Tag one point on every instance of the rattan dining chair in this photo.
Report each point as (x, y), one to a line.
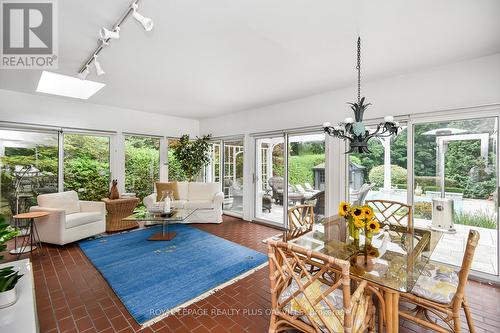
(441, 291)
(300, 220)
(392, 213)
(306, 301)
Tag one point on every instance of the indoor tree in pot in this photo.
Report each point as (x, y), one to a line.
(192, 155)
(8, 275)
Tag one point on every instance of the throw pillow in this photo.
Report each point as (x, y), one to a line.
(170, 186)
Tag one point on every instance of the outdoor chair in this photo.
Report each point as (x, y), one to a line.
(361, 194)
(318, 201)
(309, 300)
(277, 184)
(441, 291)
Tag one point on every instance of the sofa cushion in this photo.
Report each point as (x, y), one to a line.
(64, 200)
(170, 186)
(197, 204)
(203, 191)
(183, 188)
(77, 219)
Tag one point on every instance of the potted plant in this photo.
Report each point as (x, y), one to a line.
(8, 276)
(192, 155)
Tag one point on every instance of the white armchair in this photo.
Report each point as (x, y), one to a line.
(70, 219)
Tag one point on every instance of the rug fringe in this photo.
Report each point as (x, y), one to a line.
(202, 296)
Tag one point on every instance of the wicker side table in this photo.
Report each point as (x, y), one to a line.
(117, 210)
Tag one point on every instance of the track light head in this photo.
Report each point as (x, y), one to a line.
(107, 34)
(146, 22)
(98, 67)
(83, 75)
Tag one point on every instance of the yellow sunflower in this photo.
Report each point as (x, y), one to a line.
(357, 212)
(368, 212)
(344, 208)
(359, 223)
(373, 226)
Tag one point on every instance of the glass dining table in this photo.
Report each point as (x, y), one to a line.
(392, 263)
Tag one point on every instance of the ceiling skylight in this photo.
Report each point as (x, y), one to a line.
(69, 86)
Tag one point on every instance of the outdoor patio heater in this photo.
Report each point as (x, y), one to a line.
(442, 207)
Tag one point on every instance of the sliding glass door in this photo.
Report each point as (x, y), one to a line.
(456, 187)
(270, 179)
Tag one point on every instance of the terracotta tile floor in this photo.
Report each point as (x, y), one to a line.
(73, 297)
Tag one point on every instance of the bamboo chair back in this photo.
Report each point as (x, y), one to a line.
(392, 213)
(300, 221)
(289, 263)
(463, 275)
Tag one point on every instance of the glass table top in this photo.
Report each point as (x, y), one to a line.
(177, 216)
(395, 259)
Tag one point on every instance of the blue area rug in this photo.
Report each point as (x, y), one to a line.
(153, 277)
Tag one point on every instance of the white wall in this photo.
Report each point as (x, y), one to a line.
(468, 83)
(62, 112)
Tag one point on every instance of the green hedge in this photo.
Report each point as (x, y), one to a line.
(376, 175)
(446, 189)
(300, 170)
(424, 181)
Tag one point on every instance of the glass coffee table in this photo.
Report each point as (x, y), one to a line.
(177, 215)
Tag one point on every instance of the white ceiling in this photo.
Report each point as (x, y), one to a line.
(205, 58)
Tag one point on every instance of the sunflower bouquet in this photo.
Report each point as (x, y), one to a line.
(359, 218)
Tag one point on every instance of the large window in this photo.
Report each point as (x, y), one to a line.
(86, 165)
(175, 172)
(381, 174)
(28, 167)
(306, 171)
(142, 164)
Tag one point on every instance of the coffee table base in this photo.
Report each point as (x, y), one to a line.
(163, 237)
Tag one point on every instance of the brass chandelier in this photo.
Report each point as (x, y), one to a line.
(354, 130)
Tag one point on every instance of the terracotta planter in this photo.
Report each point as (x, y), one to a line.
(8, 298)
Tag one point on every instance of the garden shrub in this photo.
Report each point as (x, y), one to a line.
(480, 219)
(480, 190)
(88, 177)
(376, 175)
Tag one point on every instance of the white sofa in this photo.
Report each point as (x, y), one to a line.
(205, 197)
(70, 219)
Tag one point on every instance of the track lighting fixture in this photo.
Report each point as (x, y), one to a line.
(98, 68)
(109, 34)
(83, 74)
(106, 36)
(146, 22)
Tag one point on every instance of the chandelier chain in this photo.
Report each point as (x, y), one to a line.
(358, 67)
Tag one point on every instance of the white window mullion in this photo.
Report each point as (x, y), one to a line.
(60, 166)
